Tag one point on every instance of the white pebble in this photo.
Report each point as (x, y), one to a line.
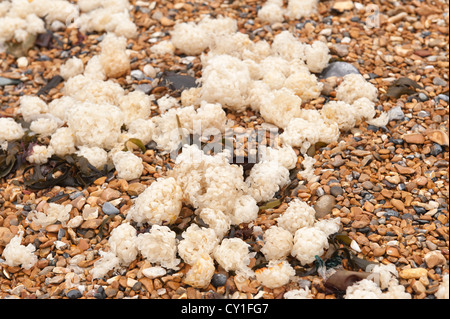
(22, 62)
(149, 71)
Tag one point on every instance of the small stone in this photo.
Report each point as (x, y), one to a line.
(166, 22)
(74, 294)
(5, 236)
(75, 222)
(91, 223)
(435, 149)
(338, 161)
(78, 202)
(418, 287)
(361, 223)
(439, 137)
(392, 251)
(90, 212)
(379, 251)
(134, 189)
(443, 97)
(396, 114)
(336, 191)
(111, 292)
(342, 6)
(434, 258)
(414, 138)
(150, 71)
(360, 153)
(438, 81)
(340, 49)
(137, 75)
(398, 204)
(367, 185)
(146, 88)
(22, 62)
(338, 69)
(404, 170)
(83, 244)
(218, 280)
(54, 228)
(109, 209)
(324, 205)
(154, 272)
(100, 294)
(410, 273)
(109, 194)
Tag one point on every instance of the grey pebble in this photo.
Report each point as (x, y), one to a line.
(396, 114)
(137, 74)
(146, 88)
(336, 191)
(110, 209)
(338, 69)
(218, 280)
(74, 294)
(423, 97)
(438, 81)
(443, 97)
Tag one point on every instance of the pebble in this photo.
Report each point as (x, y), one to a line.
(336, 191)
(413, 273)
(436, 149)
(423, 97)
(110, 209)
(434, 258)
(338, 69)
(340, 49)
(74, 294)
(218, 280)
(396, 114)
(146, 88)
(5, 236)
(137, 75)
(414, 138)
(443, 97)
(324, 205)
(22, 62)
(439, 81)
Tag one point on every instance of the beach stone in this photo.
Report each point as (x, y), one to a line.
(434, 258)
(324, 205)
(396, 114)
(91, 223)
(398, 204)
(137, 74)
(338, 69)
(414, 138)
(410, 273)
(218, 280)
(110, 194)
(110, 209)
(404, 170)
(74, 294)
(134, 189)
(336, 190)
(438, 137)
(5, 236)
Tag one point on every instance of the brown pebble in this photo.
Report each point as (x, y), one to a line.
(414, 138)
(410, 273)
(434, 258)
(91, 223)
(5, 236)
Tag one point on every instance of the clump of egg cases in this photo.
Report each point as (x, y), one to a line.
(269, 73)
